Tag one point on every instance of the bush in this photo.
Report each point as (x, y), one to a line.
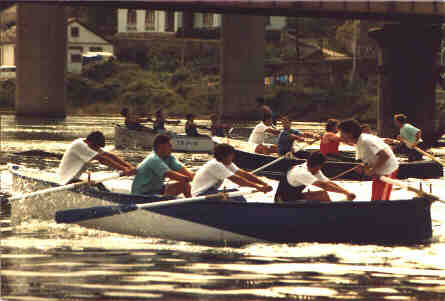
(208, 33)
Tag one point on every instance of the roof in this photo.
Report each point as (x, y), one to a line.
(75, 20)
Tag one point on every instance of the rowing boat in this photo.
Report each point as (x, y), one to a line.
(143, 139)
(244, 159)
(226, 222)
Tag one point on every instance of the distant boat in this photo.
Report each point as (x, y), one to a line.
(226, 222)
(143, 139)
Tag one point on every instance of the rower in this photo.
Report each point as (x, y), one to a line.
(210, 176)
(157, 166)
(217, 128)
(330, 142)
(375, 153)
(190, 126)
(295, 180)
(409, 134)
(265, 109)
(288, 136)
(159, 123)
(134, 122)
(82, 151)
(256, 139)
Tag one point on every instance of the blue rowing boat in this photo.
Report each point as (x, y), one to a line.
(226, 222)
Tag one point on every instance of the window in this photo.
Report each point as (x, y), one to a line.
(268, 20)
(74, 31)
(76, 58)
(96, 49)
(131, 19)
(150, 20)
(207, 19)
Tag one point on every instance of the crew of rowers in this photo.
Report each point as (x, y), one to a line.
(132, 122)
(150, 175)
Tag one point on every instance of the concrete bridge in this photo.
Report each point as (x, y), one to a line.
(407, 58)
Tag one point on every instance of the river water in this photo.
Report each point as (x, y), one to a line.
(42, 260)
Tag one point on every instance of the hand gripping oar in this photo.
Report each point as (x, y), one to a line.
(419, 192)
(78, 215)
(63, 187)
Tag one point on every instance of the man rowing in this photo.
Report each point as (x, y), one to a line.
(298, 177)
(256, 138)
(330, 142)
(211, 175)
(288, 136)
(218, 128)
(157, 166)
(134, 122)
(378, 157)
(82, 151)
(409, 136)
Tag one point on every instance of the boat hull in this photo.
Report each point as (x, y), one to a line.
(125, 138)
(250, 161)
(233, 223)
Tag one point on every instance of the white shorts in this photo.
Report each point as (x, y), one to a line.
(252, 147)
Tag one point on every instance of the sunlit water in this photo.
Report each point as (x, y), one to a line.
(42, 260)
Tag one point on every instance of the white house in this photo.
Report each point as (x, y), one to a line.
(81, 39)
(140, 20)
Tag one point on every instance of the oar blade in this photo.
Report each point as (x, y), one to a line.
(81, 214)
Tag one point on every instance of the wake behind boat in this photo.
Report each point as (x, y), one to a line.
(143, 139)
(226, 222)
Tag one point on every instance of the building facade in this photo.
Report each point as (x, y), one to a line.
(140, 20)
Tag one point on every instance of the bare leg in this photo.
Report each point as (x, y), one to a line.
(266, 150)
(177, 188)
(320, 195)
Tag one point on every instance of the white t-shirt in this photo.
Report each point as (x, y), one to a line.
(74, 160)
(300, 175)
(257, 135)
(211, 174)
(367, 148)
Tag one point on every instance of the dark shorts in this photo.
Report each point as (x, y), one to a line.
(287, 193)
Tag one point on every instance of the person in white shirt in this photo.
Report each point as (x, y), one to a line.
(378, 157)
(210, 176)
(81, 151)
(256, 138)
(298, 177)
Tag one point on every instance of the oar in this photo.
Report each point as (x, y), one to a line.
(287, 155)
(422, 152)
(306, 144)
(78, 215)
(419, 192)
(345, 172)
(63, 187)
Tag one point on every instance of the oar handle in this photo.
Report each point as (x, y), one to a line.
(409, 188)
(345, 172)
(269, 164)
(63, 187)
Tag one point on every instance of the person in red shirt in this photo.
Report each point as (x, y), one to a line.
(330, 142)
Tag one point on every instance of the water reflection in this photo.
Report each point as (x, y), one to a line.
(42, 260)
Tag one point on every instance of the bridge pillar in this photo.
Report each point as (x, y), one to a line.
(41, 55)
(242, 65)
(407, 79)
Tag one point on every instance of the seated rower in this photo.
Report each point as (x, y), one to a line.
(210, 176)
(330, 142)
(288, 136)
(157, 166)
(375, 153)
(159, 123)
(133, 122)
(295, 180)
(409, 136)
(191, 129)
(217, 128)
(82, 151)
(256, 139)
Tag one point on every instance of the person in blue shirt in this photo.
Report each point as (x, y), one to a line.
(409, 136)
(157, 166)
(288, 136)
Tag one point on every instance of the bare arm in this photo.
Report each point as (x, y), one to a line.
(250, 177)
(333, 187)
(187, 173)
(273, 131)
(115, 162)
(244, 182)
(174, 175)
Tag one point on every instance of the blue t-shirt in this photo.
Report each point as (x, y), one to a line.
(151, 172)
(284, 141)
